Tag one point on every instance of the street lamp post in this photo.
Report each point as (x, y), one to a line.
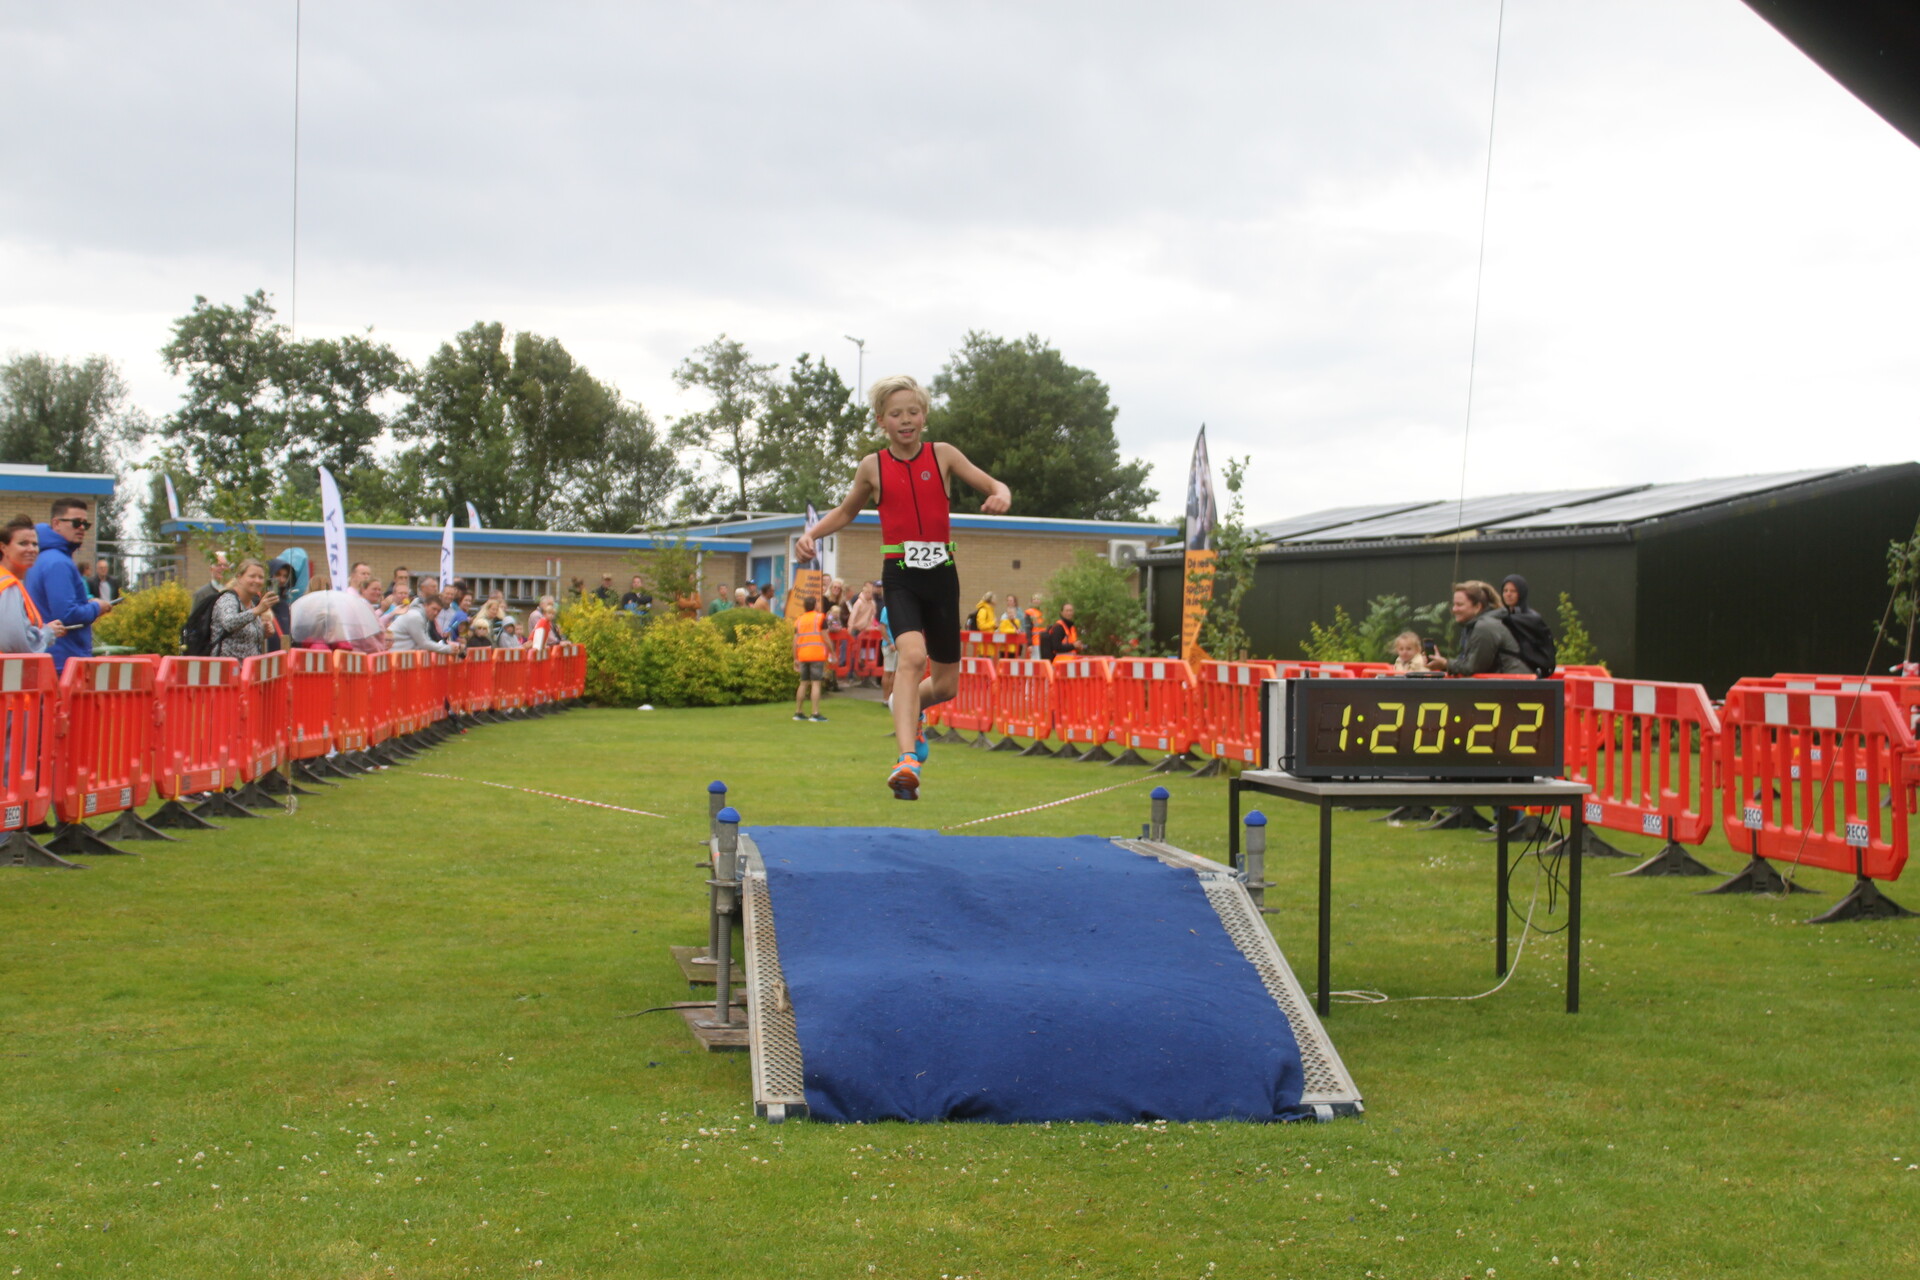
(860, 376)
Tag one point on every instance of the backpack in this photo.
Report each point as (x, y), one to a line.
(196, 638)
(1537, 647)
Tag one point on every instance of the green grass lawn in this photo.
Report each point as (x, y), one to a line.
(382, 1036)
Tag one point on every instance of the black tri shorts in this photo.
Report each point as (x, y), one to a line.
(927, 601)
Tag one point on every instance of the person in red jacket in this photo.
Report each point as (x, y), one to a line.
(908, 481)
(810, 655)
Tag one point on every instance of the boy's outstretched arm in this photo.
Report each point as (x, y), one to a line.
(861, 493)
(999, 497)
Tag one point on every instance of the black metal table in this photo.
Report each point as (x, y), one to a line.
(1502, 796)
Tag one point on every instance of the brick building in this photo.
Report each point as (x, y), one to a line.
(1001, 554)
(525, 563)
(31, 490)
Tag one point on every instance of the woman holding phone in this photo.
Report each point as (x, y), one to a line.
(243, 615)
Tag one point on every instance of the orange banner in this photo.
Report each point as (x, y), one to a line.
(1197, 597)
(806, 582)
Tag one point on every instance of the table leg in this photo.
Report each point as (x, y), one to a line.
(1326, 903)
(1500, 823)
(1233, 823)
(1575, 844)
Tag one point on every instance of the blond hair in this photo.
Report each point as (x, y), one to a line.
(1478, 592)
(879, 392)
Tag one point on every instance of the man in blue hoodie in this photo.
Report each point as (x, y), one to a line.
(58, 589)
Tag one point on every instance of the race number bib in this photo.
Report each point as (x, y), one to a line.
(923, 555)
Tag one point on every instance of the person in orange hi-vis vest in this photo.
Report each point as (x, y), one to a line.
(1061, 641)
(908, 481)
(21, 628)
(810, 655)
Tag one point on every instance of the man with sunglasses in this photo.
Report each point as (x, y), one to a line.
(58, 588)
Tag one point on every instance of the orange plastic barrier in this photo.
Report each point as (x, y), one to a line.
(997, 645)
(540, 669)
(196, 725)
(1083, 700)
(403, 690)
(379, 710)
(1152, 703)
(509, 679)
(28, 694)
(1803, 775)
(310, 722)
(1582, 670)
(1647, 748)
(868, 660)
(1904, 691)
(103, 736)
(352, 688)
(479, 666)
(1023, 698)
(1227, 698)
(972, 705)
(262, 740)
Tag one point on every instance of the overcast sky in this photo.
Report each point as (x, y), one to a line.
(1700, 253)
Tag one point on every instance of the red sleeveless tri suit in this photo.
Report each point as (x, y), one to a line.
(920, 579)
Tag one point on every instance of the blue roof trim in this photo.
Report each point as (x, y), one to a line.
(56, 482)
(470, 537)
(998, 524)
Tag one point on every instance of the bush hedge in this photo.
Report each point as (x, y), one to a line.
(147, 621)
(681, 662)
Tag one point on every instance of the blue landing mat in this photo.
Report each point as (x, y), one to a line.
(1017, 980)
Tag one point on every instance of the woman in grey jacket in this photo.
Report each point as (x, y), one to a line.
(240, 614)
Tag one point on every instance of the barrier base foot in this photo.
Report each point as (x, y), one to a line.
(275, 783)
(255, 796)
(1095, 754)
(1863, 902)
(1181, 763)
(1527, 828)
(77, 839)
(19, 849)
(1592, 847)
(1039, 748)
(131, 826)
(1758, 876)
(1126, 759)
(356, 762)
(222, 804)
(1007, 744)
(1212, 768)
(1407, 813)
(1458, 818)
(313, 772)
(175, 816)
(389, 755)
(981, 742)
(1672, 860)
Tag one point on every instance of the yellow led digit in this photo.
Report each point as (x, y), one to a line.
(1399, 710)
(1346, 718)
(1539, 710)
(1439, 731)
(1474, 745)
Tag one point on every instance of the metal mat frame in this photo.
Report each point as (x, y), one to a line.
(779, 1082)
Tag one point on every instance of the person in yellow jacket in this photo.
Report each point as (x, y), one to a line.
(810, 655)
(983, 614)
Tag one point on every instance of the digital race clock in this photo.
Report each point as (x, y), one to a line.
(1425, 728)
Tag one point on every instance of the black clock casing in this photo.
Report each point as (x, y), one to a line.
(1414, 728)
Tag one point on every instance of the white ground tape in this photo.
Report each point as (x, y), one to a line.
(1051, 804)
(551, 795)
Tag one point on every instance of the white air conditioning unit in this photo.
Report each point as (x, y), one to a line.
(1124, 553)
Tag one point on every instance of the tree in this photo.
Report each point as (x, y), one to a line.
(810, 440)
(1107, 610)
(1575, 646)
(1021, 412)
(1903, 575)
(262, 411)
(1371, 639)
(731, 427)
(528, 436)
(68, 417)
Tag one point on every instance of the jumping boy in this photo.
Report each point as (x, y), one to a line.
(907, 480)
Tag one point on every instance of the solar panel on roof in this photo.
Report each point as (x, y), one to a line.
(1451, 517)
(1667, 499)
(1313, 521)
